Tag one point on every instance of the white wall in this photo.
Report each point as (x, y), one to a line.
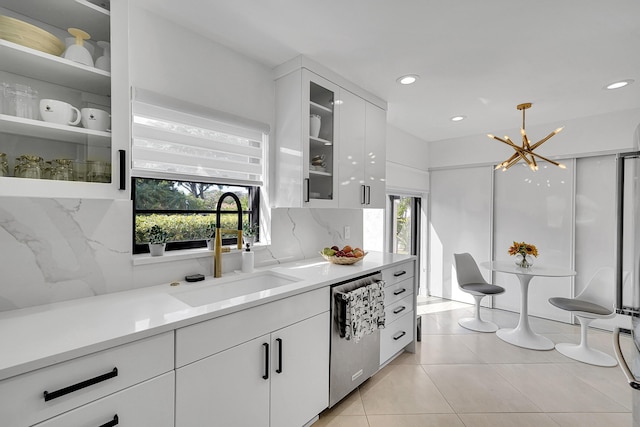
(177, 62)
(407, 161)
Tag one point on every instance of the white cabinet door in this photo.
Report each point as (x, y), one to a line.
(230, 388)
(147, 404)
(375, 156)
(302, 181)
(351, 151)
(300, 371)
(362, 155)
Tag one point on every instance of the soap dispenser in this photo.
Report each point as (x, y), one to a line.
(77, 52)
(247, 260)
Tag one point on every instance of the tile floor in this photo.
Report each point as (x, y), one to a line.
(463, 378)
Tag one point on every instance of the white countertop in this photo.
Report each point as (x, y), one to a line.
(36, 337)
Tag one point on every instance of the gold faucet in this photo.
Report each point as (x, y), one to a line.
(217, 253)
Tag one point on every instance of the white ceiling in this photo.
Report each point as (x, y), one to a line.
(478, 58)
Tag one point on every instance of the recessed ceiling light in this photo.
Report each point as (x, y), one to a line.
(408, 79)
(618, 85)
(458, 118)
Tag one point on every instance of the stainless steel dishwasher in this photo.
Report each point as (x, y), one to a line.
(351, 362)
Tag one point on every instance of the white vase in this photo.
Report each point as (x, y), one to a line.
(156, 249)
(314, 125)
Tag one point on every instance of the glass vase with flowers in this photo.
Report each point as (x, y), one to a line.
(524, 253)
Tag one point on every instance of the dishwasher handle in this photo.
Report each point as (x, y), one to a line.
(623, 363)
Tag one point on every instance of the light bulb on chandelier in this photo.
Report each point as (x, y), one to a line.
(525, 152)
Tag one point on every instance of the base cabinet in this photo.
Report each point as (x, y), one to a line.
(226, 389)
(300, 382)
(147, 404)
(279, 379)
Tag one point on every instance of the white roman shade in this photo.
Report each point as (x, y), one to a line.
(174, 139)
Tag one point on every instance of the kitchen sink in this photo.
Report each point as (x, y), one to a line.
(215, 290)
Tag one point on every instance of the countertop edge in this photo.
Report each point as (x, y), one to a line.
(339, 273)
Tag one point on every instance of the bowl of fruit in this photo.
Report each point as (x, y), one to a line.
(345, 256)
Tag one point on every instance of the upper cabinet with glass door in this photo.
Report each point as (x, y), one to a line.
(55, 88)
(307, 121)
(330, 140)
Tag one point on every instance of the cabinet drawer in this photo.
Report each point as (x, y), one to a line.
(398, 309)
(95, 375)
(147, 404)
(396, 336)
(398, 291)
(198, 341)
(395, 274)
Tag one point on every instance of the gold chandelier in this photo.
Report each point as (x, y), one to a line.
(525, 152)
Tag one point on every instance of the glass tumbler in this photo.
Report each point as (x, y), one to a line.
(4, 165)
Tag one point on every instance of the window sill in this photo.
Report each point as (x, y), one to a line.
(184, 254)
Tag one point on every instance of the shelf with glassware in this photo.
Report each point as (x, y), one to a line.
(44, 127)
(320, 154)
(306, 127)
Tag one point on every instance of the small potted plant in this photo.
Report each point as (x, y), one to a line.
(249, 232)
(157, 240)
(210, 234)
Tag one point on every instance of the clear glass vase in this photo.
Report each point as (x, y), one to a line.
(524, 261)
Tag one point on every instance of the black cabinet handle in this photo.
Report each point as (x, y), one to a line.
(399, 273)
(123, 169)
(368, 194)
(113, 422)
(266, 361)
(363, 195)
(58, 393)
(279, 341)
(307, 197)
(399, 291)
(400, 335)
(399, 310)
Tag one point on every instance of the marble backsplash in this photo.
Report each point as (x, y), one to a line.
(61, 249)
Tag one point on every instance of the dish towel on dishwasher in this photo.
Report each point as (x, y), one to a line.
(364, 311)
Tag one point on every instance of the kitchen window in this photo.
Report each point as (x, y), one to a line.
(184, 157)
(186, 210)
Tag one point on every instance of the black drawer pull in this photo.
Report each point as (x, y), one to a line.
(58, 393)
(399, 273)
(399, 310)
(400, 291)
(400, 335)
(113, 422)
(279, 341)
(266, 361)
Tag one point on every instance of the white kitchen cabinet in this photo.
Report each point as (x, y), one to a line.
(45, 393)
(400, 308)
(228, 387)
(150, 403)
(55, 77)
(375, 156)
(344, 166)
(273, 359)
(300, 371)
(361, 153)
(302, 181)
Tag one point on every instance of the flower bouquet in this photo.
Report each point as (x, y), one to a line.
(523, 252)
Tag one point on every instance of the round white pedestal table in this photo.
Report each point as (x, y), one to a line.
(522, 335)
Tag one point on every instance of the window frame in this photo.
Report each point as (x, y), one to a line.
(253, 213)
